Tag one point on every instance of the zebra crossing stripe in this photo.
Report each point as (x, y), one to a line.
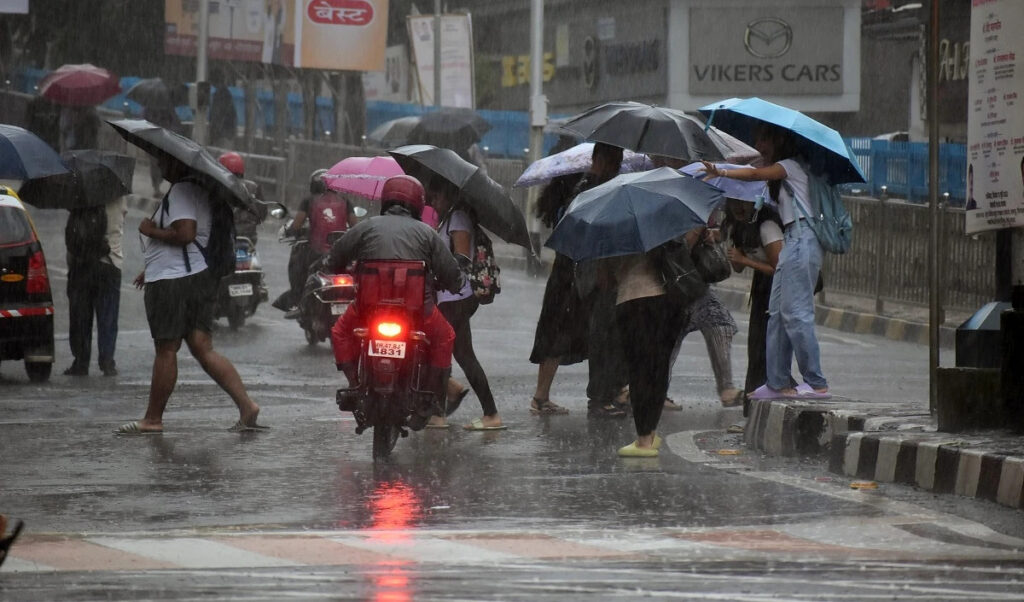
(192, 552)
(82, 555)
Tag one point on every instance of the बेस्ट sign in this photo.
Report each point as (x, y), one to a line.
(319, 34)
(995, 121)
(765, 50)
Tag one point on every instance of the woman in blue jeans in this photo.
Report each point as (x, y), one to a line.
(791, 305)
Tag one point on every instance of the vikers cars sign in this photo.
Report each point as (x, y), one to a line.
(764, 50)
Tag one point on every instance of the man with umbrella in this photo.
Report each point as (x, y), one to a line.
(180, 286)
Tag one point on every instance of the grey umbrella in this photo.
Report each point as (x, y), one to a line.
(165, 144)
(494, 208)
(96, 177)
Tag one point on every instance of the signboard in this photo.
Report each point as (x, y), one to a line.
(804, 55)
(995, 121)
(321, 34)
(19, 7)
(391, 84)
(456, 59)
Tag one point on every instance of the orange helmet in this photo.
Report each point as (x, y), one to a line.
(233, 162)
(405, 191)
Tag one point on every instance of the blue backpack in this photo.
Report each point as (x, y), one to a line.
(831, 222)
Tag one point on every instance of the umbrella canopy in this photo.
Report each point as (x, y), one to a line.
(824, 148)
(633, 213)
(155, 93)
(494, 208)
(733, 189)
(79, 85)
(165, 144)
(732, 149)
(24, 156)
(363, 176)
(393, 133)
(645, 129)
(458, 127)
(96, 177)
(577, 159)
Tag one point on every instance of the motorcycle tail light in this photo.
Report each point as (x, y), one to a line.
(242, 264)
(342, 280)
(389, 329)
(38, 281)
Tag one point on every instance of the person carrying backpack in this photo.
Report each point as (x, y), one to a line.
(186, 248)
(791, 328)
(460, 232)
(92, 238)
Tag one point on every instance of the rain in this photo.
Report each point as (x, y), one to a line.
(547, 299)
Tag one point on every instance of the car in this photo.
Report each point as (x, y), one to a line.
(26, 303)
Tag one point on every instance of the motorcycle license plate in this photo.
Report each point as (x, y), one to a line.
(239, 290)
(337, 309)
(394, 349)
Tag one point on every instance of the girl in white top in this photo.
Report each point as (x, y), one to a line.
(791, 306)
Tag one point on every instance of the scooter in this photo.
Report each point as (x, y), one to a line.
(392, 393)
(241, 293)
(325, 297)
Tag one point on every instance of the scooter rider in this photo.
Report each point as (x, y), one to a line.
(399, 234)
(246, 223)
(327, 212)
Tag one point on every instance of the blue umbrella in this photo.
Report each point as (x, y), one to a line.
(633, 213)
(24, 156)
(823, 147)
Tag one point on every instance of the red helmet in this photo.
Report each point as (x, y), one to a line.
(233, 162)
(405, 191)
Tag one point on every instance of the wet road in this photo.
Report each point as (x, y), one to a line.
(544, 510)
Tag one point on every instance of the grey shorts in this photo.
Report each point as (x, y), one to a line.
(176, 307)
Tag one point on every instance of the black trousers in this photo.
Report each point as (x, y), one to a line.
(607, 366)
(757, 333)
(93, 290)
(648, 327)
(458, 314)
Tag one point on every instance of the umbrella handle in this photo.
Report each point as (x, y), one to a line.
(711, 118)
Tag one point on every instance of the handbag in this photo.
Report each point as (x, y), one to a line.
(711, 262)
(683, 282)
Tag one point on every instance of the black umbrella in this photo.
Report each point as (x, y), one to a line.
(394, 132)
(96, 178)
(494, 208)
(155, 92)
(166, 145)
(646, 129)
(24, 156)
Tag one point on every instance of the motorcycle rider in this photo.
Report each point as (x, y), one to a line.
(399, 234)
(324, 208)
(246, 223)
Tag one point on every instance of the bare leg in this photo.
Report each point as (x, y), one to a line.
(223, 372)
(165, 376)
(545, 376)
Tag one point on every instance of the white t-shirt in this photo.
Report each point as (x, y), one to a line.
(770, 232)
(796, 178)
(458, 221)
(165, 261)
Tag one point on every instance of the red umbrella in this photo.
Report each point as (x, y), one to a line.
(79, 85)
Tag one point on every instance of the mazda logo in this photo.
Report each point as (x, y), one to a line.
(768, 38)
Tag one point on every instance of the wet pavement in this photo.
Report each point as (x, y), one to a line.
(544, 510)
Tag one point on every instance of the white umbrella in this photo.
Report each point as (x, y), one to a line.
(576, 160)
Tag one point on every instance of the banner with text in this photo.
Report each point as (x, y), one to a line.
(321, 34)
(456, 59)
(995, 121)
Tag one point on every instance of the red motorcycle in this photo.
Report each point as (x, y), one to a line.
(392, 390)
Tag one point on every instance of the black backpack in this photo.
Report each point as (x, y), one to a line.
(85, 235)
(219, 251)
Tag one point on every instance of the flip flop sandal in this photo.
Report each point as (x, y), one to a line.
(608, 410)
(453, 405)
(735, 402)
(632, 451)
(546, 407)
(672, 406)
(238, 427)
(134, 428)
(478, 425)
(806, 391)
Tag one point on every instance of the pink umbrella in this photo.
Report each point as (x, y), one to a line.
(363, 176)
(79, 85)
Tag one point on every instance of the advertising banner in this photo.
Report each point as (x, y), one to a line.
(321, 34)
(15, 7)
(995, 121)
(391, 84)
(456, 59)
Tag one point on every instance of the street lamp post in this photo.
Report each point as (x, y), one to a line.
(538, 118)
(933, 206)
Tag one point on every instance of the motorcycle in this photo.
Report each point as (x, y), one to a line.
(325, 297)
(241, 293)
(392, 370)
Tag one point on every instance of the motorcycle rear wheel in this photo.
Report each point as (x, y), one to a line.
(236, 317)
(384, 438)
